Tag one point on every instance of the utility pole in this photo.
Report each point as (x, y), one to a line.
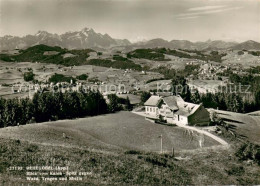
(161, 143)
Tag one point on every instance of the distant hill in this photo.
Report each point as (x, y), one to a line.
(86, 38)
(49, 54)
(185, 44)
(248, 45)
(57, 55)
(153, 43)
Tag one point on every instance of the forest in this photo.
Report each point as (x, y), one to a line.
(49, 106)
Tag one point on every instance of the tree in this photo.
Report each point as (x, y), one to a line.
(27, 110)
(128, 105)
(145, 96)
(48, 106)
(257, 99)
(2, 108)
(195, 97)
(113, 105)
(180, 87)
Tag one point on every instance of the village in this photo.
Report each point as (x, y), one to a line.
(129, 92)
(176, 108)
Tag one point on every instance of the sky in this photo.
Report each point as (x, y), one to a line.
(136, 20)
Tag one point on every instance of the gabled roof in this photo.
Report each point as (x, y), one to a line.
(171, 101)
(187, 109)
(153, 101)
(177, 104)
(174, 102)
(191, 107)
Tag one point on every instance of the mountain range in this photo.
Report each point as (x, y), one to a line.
(88, 38)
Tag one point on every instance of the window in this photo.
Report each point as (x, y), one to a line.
(153, 109)
(150, 109)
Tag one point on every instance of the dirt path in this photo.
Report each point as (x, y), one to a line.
(218, 139)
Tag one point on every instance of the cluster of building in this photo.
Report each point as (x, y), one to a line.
(103, 88)
(174, 110)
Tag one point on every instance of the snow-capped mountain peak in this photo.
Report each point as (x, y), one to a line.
(85, 38)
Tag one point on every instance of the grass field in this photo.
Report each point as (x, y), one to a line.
(245, 60)
(245, 125)
(116, 149)
(202, 167)
(120, 131)
(11, 73)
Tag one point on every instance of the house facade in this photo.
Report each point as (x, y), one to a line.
(175, 110)
(152, 107)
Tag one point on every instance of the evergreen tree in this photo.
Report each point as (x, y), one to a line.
(113, 105)
(128, 105)
(145, 96)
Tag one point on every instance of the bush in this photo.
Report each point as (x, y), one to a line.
(32, 148)
(156, 160)
(82, 77)
(61, 78)
(240, 52)
(236, 170)
(28, 76)
(249, 151)
(133, 152)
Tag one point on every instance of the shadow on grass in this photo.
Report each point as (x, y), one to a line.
(233, 121)
(219, 113)
(166, 124)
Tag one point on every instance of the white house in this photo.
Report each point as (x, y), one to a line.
(152, 106)
(175, 110)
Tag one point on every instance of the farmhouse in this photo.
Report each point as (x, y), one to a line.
(175, 110)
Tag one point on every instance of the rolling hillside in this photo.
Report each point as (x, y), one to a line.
(120, 131)
(246, 126)
(247, 45)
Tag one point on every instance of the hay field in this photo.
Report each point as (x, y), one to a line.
(123, 130)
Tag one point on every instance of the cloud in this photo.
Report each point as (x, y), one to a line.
(206, 8)
(190, 17)
(196, 12)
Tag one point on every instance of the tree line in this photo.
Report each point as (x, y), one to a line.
(227, 101)
(49, 106)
